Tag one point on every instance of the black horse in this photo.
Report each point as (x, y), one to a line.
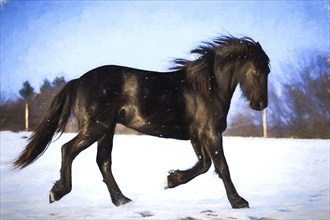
(189, 103)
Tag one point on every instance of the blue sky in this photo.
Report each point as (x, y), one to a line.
(45, 39)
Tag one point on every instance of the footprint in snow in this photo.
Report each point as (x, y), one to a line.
(146, 214)
(209, 213)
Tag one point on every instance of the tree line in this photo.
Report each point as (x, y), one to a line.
(298, 107)
(25, 112)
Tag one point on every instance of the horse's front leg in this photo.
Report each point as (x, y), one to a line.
(215, 151)
(178, 177)
(104, 162)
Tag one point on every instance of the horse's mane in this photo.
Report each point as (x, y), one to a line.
(227, 49)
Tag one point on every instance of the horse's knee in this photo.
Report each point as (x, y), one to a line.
(206, 164)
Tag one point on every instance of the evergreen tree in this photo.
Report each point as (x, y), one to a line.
(46, 87)
(58, 82)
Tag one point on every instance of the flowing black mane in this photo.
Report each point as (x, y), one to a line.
(225, 49)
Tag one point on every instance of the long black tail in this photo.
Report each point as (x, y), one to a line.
(54, 120)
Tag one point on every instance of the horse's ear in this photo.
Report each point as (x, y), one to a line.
(258, 44)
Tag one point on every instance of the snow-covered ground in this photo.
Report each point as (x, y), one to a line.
(281, 179)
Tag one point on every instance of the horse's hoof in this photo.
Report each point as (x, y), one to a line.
(173, 179)
(166, 184)
(121, 201)
(169, 183)
(58, 191)
(51, 197)
(241, 206)
(238, 203)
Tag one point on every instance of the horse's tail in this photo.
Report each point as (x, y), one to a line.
(54, 120)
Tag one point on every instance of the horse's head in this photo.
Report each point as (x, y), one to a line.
(254, 76)
(230, 61)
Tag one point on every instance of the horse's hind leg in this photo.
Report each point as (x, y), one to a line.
(104, 162)
(69, 151)
(178, 177)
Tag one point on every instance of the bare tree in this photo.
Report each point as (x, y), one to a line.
(307, 97)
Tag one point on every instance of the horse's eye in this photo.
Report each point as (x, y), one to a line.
(256, 73)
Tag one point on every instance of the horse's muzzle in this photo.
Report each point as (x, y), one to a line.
(259, 104)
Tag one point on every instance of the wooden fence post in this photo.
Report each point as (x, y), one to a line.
(264, 123)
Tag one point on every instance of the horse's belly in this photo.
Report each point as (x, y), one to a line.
(163, 131)
(160, 123)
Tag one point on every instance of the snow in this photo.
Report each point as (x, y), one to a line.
(281, 179)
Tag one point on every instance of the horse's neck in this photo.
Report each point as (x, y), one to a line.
(226, 84)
